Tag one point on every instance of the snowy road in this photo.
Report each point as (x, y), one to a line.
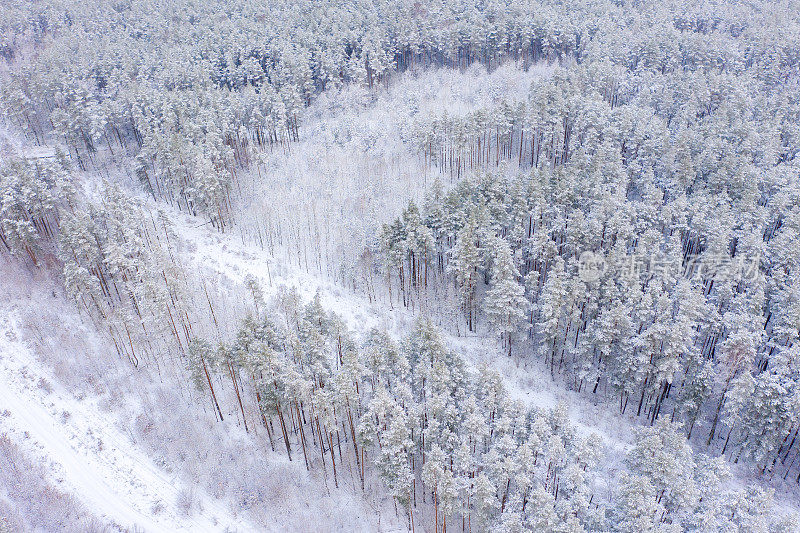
(88, 456)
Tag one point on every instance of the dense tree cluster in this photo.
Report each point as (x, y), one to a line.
(648, 195)
(691, 225)
(436, 432)
(631, 221)
(118, 263)
(116, 257)
(28, 192)
(195, 90)
(687, 310)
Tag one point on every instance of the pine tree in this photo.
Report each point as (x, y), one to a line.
(201, 355)
(387, 427)
(484, 500)
(637, 510)
(463, 265)
(505, 304)
(662, 455)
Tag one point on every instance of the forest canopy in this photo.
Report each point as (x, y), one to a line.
(611, 197)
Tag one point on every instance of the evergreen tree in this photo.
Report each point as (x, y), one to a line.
(505, 304)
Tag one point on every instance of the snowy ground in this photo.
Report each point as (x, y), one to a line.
(356, 164)
(140, 454)
(85, 449)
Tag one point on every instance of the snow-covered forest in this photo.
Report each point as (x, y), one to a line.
(383, 265)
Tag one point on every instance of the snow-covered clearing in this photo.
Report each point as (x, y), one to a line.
(356, 163)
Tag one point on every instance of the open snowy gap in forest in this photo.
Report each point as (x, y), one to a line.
(356, 164)
(75, 434)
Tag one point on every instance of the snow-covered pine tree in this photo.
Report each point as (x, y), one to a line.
(505, 304)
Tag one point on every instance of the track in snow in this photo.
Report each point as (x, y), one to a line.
(88, 456)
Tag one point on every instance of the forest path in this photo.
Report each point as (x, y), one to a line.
(87, 454)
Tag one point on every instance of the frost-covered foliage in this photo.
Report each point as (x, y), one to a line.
(196, 88)
(674, 311)
(611, 187)
(436, 430)
(28, 192)
(116, 256)
(649, 194)
(29, 503)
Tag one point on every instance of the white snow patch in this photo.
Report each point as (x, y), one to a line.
(88, 455)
